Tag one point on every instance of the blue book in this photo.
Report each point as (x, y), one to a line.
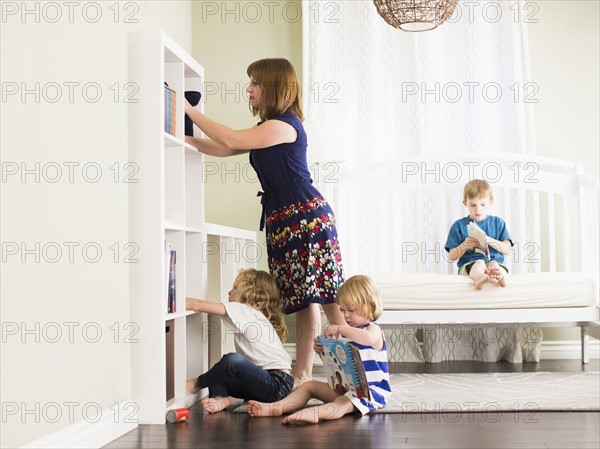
(343, 367)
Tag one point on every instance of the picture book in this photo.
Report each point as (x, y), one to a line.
(343, 367)
(477, 233)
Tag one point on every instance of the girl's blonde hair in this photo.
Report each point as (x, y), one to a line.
(280, 90)
(259, 290)
(477, 188)
(361, 294)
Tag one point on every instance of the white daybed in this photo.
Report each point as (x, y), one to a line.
(498, 323)
(551, 210)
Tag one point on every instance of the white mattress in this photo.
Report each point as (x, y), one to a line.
(432, 291)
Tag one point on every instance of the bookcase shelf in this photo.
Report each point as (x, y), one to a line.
(167, 204)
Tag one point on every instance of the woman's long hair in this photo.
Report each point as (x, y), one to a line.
(280, 91)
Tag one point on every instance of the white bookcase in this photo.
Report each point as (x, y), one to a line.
(167, 204)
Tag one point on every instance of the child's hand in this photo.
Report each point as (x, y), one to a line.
(189, 303)
(318, 346)
(470, 242)
(331, 331)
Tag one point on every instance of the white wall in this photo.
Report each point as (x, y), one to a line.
(564, 49)
(47, 362)
(565, 59)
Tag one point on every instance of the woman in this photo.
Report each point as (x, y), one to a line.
(302, 245)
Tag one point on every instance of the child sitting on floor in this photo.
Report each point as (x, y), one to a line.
(478, 198)
(359, 301)
(260, 369)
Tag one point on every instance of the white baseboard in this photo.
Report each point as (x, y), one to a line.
(569, 349)
(113, 423)
(551, 350)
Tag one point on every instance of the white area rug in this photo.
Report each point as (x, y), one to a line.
(494, 392)
(490, 392)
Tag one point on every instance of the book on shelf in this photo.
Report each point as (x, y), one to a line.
(170, 292)
(477, 233)
(170, 110)
(343, 367)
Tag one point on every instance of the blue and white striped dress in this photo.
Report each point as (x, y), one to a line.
(376, 367)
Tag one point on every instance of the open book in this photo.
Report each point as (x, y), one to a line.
(477, 233)
(343, 367)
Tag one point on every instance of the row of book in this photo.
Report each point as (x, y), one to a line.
(171, 262)
(170, 110)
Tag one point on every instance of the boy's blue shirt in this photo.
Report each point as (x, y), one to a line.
(493, 226)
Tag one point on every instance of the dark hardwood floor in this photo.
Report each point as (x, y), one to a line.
(550, 430)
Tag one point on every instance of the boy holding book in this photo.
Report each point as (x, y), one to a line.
(472, 260)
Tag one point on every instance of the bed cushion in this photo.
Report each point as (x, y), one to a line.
(433, 291)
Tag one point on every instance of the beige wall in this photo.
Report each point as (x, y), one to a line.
(227, 37)
(49, 367)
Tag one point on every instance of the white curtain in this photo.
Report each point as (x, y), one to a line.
(379, 97)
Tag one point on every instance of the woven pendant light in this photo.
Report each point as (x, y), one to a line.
(415, 15)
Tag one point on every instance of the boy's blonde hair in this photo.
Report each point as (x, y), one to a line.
(259, 290)
(361, 294)
(477, 188)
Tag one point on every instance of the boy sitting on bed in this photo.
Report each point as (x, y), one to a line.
(478, 199)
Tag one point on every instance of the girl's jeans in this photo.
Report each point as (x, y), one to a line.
(237, 376)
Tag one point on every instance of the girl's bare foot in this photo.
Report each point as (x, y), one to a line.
(192, 387)
(307, 415)
(260, 409)
(215, 405)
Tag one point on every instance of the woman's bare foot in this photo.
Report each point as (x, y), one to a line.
(307, 415)
(261, 409)
(215, 405)
(192, 387)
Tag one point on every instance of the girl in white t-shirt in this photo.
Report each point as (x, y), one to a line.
(260, 369)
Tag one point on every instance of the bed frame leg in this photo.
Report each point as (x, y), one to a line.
(585, 339)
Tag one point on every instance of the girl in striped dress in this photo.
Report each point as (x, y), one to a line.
(359, 301)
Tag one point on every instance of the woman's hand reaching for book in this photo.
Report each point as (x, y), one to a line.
(188, 106)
